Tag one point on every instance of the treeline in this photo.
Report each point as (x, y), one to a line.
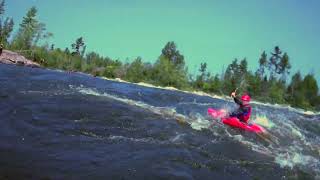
(268, 83)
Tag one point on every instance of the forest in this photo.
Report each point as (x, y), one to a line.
(272, 82)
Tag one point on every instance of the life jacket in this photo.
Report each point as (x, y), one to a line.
(245, 116)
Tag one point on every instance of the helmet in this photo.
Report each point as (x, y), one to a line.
(245, 97)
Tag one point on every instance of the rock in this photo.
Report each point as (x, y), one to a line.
(9, 57)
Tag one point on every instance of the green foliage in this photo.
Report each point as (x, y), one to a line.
(274, 61)
(6, 25)
(165, 73)
(30, 32)
(255, 84)
(262, 64)
(284, 66)
(213, 85)
(136, 71)
(170, 52)
(27, 30)
(235, 75)
(2, 10)
(169, 69)
(277, 92)
(79, 47)
(202, 78)
(310, 88)
(278, 64)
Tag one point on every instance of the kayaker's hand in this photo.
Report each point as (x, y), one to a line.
(233, 94)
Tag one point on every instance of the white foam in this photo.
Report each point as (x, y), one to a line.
(287, 130)
(263, 120)
(292, 159)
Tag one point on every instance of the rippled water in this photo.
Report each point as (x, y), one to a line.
(58, 125)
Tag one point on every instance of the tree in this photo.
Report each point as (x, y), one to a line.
(30, 31)
(6, 25)
(303, 92)
(67, 51)
(136, 71)
(262, 64)
(296, 81)
(202, 77)
(52, 47)
(243, 67)
(170, 52)
(78, 46)
(230, 76)
(41, 33)
(83, 51)
(2, 10)
(235, 75)
(213, 85)
(165, 73)
(310, 88)
(277, 91)
(255, 84)
(284, 66)
(279, 64)
(274, 61)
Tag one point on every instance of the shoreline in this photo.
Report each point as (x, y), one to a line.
(200, 93)
(13, 58)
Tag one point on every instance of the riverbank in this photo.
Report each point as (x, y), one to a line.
(10, 57)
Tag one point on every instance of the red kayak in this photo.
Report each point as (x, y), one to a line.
(233, 121)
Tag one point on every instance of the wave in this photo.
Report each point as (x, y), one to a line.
(290, 147)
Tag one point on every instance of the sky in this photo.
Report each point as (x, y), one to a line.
(211, 31)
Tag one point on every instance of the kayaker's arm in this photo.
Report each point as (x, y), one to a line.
(236, 100)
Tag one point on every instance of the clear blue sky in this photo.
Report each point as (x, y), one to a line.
(212, 31)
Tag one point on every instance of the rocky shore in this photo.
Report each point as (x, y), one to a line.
(9, 57)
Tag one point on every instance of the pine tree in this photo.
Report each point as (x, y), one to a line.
(52, 47)
(78, 46)
(310, 88)
(284, 66)
(6, 25)
(2, 9)
(30, 31)
(274, 61)
(202, 77)
(262, 64)
(170, 52)
(67, 51)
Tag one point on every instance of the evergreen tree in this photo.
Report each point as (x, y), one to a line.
(52, 47)
(67, 51)
(310, 88)
(2, 9)
(262, 64)
(213, 85)
(284, 66)
(6, 25)
(78, 46)
(83, 51)
(170, 52)
(136, 71)
(243, 67)
(165, 73)
(30, 31)
(295, 84)
(202, 77)
(27, 29)
(274, 61)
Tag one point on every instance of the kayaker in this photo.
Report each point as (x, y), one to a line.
(244, 111)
